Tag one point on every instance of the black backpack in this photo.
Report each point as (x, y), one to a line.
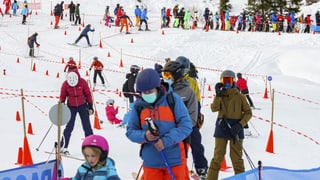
(125, 89)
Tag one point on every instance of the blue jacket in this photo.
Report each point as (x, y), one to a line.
(173, 128)
(137, 12)
(107, 172)
(143, 14)
(86, 30)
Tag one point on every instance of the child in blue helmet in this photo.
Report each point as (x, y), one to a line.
(98, 165)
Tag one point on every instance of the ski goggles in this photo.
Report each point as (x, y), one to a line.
(166, 75)
(227, 80)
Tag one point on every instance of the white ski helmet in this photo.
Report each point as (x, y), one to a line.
(72, 79)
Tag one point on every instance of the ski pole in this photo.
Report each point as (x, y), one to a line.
(254, 128)
(106, 79)
(154, 130)
(45, 136)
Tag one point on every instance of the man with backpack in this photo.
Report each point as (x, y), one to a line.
(174, 76)
(128, 89)
(159, 130)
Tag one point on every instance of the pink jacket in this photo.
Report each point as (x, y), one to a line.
(111, 113)
(78, 95)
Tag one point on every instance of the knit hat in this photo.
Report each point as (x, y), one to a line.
(147, 80)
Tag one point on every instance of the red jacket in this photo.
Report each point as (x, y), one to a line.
(77, 95)
(242, 84)
(71, 64)
(97, 65)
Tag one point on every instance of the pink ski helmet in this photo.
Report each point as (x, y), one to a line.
(99, 142)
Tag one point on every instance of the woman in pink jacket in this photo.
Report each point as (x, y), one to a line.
(112, 112)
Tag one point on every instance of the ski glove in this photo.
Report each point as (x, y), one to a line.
(219, 89)
(235, 129)
(90, 108)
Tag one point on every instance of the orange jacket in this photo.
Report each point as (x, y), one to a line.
(97, 65)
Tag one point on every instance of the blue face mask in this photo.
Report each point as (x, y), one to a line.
(150, 98)
(169, 81)
(227, 85)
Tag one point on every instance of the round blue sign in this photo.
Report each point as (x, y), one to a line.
(269, 78)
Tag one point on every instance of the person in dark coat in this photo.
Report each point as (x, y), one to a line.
(76, 93)
(134, 70)
(84, 33)
(72, 9)
(31, 41)
(61, 9)
(57, 13)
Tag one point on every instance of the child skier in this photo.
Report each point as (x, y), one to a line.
(111, 112)
(98, 165)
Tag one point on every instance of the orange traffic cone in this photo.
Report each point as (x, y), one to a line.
(279, 33)
(47, 73)
(108, 54)
(96, 121)
(51, 13)
(100, 44)
(19, 160)
(65, 32)
(87, 73)
(51, 23)
(58, 75)
(26, 156)
(34, 67)
(207, 28)
(162, 32)
(120, 95)
(209, 88)
(30, 131)
(4, 72)
(131, 40)
(223, 165)
(18, 60)
(79, 28)
(265, 94)
(62, 61)
(269, 147)
(18, 116)
(121, 64)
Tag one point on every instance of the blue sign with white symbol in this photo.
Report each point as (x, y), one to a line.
(269, 78)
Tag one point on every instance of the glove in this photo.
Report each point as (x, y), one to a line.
(235, 129)
(38, 45)
(89, 69)
(90, 108)
(219, 89)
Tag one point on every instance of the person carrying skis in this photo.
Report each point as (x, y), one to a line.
(71, 65)
(159, 130)
(98, 68)
(84, 33)
(111, 112)
(234, 113)
(31, 41)
(97, 165)
(75, 90)
(125, 21)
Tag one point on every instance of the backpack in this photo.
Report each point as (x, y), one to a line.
(125, 89)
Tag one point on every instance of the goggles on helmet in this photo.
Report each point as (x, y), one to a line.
(167, 75)
(227, 80)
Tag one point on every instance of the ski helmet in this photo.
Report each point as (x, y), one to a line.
(175, 68)
(185, 62)
(95, 58)
(110, 102)
(134, 69)
(99, 142)
(227, 78)
(72, 78)
(147, 79)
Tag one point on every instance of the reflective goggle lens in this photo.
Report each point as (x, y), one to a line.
(166, 75)
(227, 80)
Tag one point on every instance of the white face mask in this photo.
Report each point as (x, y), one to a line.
(72, 79)
(169, 81)
(150, 98)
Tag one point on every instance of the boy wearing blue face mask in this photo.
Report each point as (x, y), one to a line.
(234, 113)
(163, 154)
